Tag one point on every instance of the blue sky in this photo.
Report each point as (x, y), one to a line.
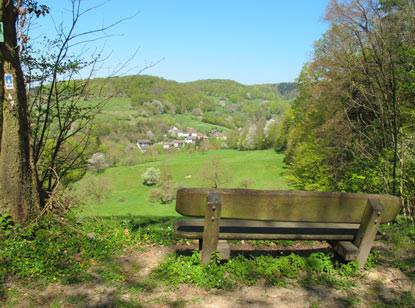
(252, 42)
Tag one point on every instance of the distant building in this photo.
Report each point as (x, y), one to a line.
(168, 145)
(173, 129)
(192, 132)
(143, 144)
(181, 133)
(179, 143)
(191, 139)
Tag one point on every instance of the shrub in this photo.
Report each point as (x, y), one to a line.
(97, 162)
(165, 194)
(151, 176)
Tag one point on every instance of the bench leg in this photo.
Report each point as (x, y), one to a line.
(211, 226)
(367, 232)
(360, 248)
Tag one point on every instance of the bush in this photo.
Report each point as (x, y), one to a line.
(97, 162)
(165, 194)
(151, 176)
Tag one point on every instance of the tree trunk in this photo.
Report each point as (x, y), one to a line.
(19, 194)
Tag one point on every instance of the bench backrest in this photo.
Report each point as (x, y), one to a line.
(290, 206)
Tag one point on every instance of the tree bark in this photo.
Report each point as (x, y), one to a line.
(19, 194)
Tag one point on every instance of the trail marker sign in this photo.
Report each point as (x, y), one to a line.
(1, 33)
(8, 81)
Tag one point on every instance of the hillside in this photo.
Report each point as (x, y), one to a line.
(221, 102)
(144, 107)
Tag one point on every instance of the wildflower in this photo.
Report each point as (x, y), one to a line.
(126, 232)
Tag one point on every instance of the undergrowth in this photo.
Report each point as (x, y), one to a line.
(401, 254)
(318, 268)
(64, 251)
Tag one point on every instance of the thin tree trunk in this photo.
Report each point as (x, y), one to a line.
(19, 194)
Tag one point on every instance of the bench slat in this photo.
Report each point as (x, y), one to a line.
(274, 205)
(265, 230)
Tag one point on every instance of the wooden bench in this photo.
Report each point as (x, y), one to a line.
(349, 222)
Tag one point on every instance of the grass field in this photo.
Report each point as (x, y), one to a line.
(264, 168)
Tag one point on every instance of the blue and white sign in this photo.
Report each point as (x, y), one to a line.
(8, 81)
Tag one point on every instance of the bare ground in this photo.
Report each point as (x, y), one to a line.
(382, 284)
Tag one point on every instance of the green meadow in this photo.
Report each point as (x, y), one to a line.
(129, 197)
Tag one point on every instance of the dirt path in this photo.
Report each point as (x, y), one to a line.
(382, 284)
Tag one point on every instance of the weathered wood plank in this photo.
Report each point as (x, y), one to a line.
(276, 224)
(224, 250)
(231, 229)
(347, 250)
(211, 226)
(290, 206)
(368, 229)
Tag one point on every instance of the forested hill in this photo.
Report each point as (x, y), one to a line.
(234, 90)
(176, 97)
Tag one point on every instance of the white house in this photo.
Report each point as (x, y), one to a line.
(179, 143)
(181, 133)
(168, 145)
(173, 129)
(191, 139)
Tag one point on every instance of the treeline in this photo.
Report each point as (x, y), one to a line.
(234, 91)
(352, 125)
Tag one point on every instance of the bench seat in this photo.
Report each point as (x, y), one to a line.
(233, 229)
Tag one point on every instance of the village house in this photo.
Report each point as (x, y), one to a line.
(143, 144)
(168, 144)
(174, 144)
(173, 129)
(191, 139)
(179, 143)
(181, 133)
(192, 132)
